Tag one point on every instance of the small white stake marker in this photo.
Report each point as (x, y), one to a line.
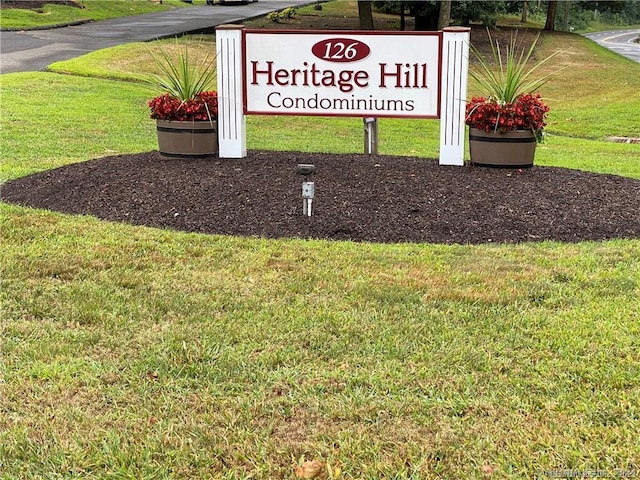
(308, 188)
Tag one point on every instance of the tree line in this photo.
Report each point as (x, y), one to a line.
(564, 15)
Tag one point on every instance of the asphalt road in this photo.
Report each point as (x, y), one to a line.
(34, 50)
(624, 42)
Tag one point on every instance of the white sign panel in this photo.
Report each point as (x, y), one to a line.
(342, 73)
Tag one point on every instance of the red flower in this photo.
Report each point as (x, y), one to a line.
(528, 112)
(203, 106)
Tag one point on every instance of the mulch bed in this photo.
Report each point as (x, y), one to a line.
(358, 197)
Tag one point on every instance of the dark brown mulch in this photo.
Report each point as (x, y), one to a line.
(358, 197)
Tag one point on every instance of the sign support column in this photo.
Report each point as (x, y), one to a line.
(455, 69)
(232, 126)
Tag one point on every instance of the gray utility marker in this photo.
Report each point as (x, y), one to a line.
(308, 189)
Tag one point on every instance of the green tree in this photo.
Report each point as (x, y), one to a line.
(444, 16)
(365, 15)
(552, 7)
(436, 14)
(525, 8)
(426, 14)
(486, 12)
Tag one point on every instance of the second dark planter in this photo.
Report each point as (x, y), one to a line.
(187, 139)
(513, 149)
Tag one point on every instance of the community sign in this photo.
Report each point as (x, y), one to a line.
(368, 74)
(354, 74)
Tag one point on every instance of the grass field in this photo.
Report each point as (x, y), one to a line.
(130, 352)
(92, 10)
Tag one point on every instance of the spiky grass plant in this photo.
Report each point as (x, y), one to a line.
(508, 83)
(185, 85)
(511, 76)
(180, 76)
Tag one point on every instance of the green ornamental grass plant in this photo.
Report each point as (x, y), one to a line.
(508, 83)
(513, 76)
(185, 86)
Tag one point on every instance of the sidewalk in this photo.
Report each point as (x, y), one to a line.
(34, 50)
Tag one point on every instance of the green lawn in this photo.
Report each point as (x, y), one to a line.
(92, 10)
(138, 353)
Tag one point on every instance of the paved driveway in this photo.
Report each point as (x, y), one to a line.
(624, 42)
(34, 50)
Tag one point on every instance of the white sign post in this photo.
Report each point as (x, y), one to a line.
(367, 74)
(232, 129)
(455, 71)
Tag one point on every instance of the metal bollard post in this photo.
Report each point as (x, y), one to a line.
(370, 135)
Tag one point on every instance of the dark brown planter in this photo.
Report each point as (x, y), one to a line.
(187, 139)
(514, 149)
